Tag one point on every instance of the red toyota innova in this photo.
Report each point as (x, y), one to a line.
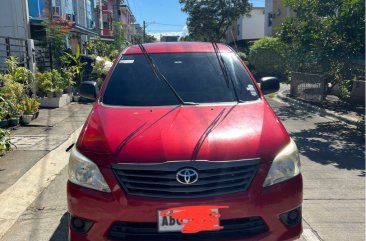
(182, 145)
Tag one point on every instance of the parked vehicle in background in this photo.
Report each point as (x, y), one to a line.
(181, 134)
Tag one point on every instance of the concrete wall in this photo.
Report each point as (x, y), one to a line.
(14, 20)
(358, 92)
(251, 27)
(268, 19)
(279, 13)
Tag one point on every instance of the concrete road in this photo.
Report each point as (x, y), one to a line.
(333, 168)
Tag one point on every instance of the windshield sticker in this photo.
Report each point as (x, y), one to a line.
(126, 61)
(251, 89)
(177, 62)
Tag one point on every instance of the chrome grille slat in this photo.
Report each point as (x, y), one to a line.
(173, 182)
(159, 180)
(203, 174)
(185, 188)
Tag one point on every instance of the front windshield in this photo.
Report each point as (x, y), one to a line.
(197, 77)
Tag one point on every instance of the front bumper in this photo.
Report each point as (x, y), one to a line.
(104, 209)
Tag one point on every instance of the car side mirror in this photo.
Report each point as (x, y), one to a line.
(269, 85)
(89, 90)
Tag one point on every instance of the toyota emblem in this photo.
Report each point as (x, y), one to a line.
(187, 176)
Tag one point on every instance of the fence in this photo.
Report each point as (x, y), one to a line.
(14, 47)
(43, 55)
(309, 87)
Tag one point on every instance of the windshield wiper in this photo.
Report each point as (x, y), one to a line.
(225, 72)
(160, 76)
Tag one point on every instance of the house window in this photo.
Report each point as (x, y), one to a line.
(269, 19)
(70, 17)
(107, 21)
(56, 11)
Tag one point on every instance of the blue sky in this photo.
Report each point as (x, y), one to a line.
(164, 15)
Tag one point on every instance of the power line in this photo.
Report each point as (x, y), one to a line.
(167, 24)
(168, 30)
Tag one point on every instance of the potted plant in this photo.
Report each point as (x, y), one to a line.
(5, 141)
(23, 76)
(30, 106)
(76, 98)
(68, 76)
(58, 83)
(4, 122)
(58, 92)
(14, 110)
(11, 89)
(14, 120)
(15, 114)
(45, 83)
(78, 65)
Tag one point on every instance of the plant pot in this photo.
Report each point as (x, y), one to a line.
(35, 115)
(13, 121)
(26, 119)
(69, 90)
(4, 123)
(41, 94)
(50, 94)
(76, 98)
(59, 94)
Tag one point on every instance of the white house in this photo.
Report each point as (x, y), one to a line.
(247, 28)
(251, 28)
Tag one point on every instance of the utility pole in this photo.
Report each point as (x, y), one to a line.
(144, 32)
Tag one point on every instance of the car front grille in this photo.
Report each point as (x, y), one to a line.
(233, 229)
(159, 180)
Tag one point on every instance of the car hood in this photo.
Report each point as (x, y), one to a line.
(204, 132)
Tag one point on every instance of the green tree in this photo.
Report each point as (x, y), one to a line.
(209, 20)
(56, 37)
(149, 38)
(101, 48)
(119, 36)
(326, 37)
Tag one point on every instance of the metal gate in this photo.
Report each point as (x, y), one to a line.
(310, 87)
(14, 47)
(43, 55)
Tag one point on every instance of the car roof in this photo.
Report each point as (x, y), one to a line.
(177, 47)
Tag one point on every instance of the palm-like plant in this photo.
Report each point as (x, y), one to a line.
(78, 66)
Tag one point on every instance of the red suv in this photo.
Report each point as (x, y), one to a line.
(182, 145)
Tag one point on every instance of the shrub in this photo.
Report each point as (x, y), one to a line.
(11, 89)
(23, 76)
(243, 57)
(29, 105)
(268, 57)
(68, 74)
(113, 55)
(5, 142)
(4, 110)
(50, 81)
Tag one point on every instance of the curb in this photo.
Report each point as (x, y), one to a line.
(17, 198)
(321, 111)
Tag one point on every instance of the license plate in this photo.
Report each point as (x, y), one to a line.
(169, 224)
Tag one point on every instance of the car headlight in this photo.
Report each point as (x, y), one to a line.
(284, 166)
(86, 173)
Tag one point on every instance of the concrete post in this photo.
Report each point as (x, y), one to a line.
(31, 55)
(32, 61)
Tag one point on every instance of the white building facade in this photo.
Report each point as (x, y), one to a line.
(251, 28)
